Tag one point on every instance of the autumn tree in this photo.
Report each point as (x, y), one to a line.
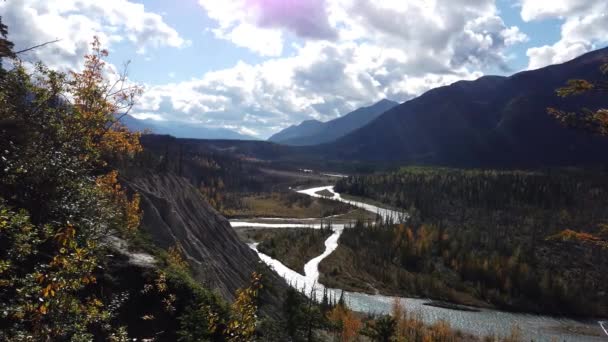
(595, 121)
(241, 326)
(381, 329)
(99, 104)
(59, 196)
(345, 323)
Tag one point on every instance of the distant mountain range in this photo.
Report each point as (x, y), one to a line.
(182, 130)
(492, 121)
(304, 129)
(313, 132)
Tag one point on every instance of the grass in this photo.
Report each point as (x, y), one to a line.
(325, 193)
(369, 201)
(339, 271)
(293, 247)
(287, 205)
(356, 214)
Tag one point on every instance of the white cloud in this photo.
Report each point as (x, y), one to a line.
(538, 10)
(150, 116)
(246, 131)
(258, 24)
(265, 42)
(361, 51)
(342, 53)
(513, 35)
(557, 53)
(75, 22)
(237, 24)
(585, 26)
(321, 81)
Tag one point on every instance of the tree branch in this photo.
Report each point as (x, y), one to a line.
(37, 46)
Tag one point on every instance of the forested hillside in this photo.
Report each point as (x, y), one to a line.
(515, 239)
(304, 129)
(493, 121)
(314, 132)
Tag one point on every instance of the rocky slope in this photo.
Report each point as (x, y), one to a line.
(176, 213)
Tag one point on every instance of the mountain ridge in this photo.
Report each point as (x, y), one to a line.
(306, 127)
(314, 132)
(491, 121)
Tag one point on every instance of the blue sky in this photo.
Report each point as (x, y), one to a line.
(206, 53)
(209, 53)
(257, 66)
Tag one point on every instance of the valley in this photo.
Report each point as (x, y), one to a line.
(476, 210)
(378, 250)
(480, 320)
(293, 246)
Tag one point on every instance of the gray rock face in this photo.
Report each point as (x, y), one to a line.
(175, 212)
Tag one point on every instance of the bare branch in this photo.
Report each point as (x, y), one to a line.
(122, 79)
(37, 46)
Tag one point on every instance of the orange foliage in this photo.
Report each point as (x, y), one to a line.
(410, 327)
(174, 256)
(346, 321)
(595, 121)
(109, 186)
(569, 235)
(242, 326)
(118, 139)
(100, 104)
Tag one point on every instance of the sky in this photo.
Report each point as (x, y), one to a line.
(258, 66)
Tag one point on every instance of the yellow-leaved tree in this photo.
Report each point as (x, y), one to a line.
(345, 323)
(59, 196)
(596, 120)
(241, 326)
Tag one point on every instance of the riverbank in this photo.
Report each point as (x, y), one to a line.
(482, 323)
(526, 242)
(293, 247)
(369, 201)
(339, 271)
(286, 205)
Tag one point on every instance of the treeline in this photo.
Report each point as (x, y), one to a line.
(530, 241)
(332, 320)
(222, 176)
(432, 191)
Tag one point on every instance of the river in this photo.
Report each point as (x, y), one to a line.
(483, 322)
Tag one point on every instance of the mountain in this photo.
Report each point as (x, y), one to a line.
(182, 130)
(314, 132)
(306, 128)
(492, 121)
